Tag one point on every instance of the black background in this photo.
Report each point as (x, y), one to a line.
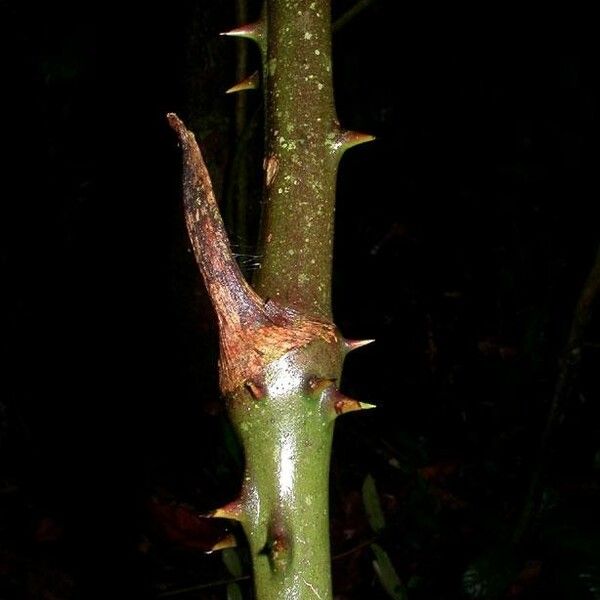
(463, 237)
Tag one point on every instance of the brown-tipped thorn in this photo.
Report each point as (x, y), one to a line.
(232, 511)
(252, 31)
(340, 141)
(342, 404)
(250, 83)
(228, 541)
(247, 30)
(356, 344)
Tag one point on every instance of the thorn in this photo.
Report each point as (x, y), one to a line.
(356, 344)
(340, 141)
(177, 124)
(228, 541)
(246, 31)
(349, 139)
(232, 511)
(342, 404)
(250, 31)
(250, 83)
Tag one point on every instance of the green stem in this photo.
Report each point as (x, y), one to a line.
(290, 433)
(301, 158)
(287, 440)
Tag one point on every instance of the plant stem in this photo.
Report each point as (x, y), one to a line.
(296, 241)
(301, 157)
(281, 356)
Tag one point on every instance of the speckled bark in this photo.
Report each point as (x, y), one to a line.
(301, 156)
(296, 242)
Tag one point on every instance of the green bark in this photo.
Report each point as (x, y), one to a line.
(281, 355)
(301, 161)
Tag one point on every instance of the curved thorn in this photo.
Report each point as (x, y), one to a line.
(251, 31)
(239, 309)
(349, 139)
(228, 541)
(250, 83)
(342, 404)
(339, 141)
(356, 344)
(231, 295)
(232, 511)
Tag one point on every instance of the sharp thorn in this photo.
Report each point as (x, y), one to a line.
(340, 141)
(248, 30)
(342, 404)
(228, 541)
(250, 83)
(251, 31)
(350, 139)
(356, 344)
(232, 511)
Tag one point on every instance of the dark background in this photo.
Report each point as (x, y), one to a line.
(464, 235)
